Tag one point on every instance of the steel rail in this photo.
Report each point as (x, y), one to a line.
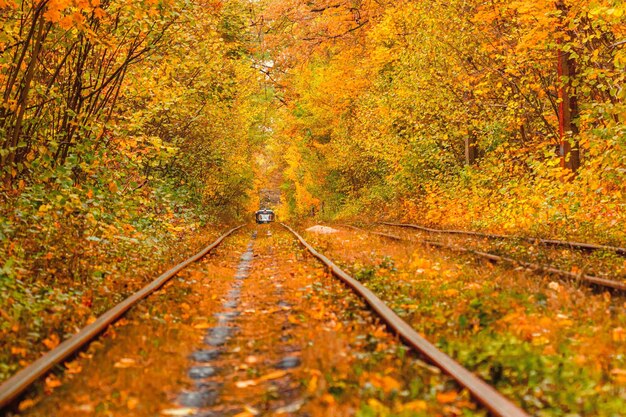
(587, 279)
(387, 235)
(19, 382)
(484, 393)
(550, 242)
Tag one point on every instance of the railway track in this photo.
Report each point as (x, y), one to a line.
(234, 324)
(550, 242)
(595, 281)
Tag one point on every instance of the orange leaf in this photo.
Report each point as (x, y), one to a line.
(52, 382)
(446, 397)
(132, 403)
(26, 404)
(389, 384)
(51, 342)
(112, 187)
(73, 367)
(273, 375)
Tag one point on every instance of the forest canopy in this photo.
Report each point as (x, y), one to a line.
(126, 127)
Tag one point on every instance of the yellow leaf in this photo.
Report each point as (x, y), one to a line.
(417, 405)
(312, 387)
(378, 407)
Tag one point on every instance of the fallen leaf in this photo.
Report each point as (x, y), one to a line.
(452, 292)
(244, 414)
(619, 334)
(125, 363)
(328, 399)
(84, 408)
(289, 408)
(389, 384)
(312, 387)
(446, 397)
(251, 410)
(52, 341)
(273, 375)
(18, 351)
(417, 405)
(73, 367)
(132, 403)
(252, 359)
(246, 383)
(26, 404)
(52, 382)
(619, 375)
(178, 411)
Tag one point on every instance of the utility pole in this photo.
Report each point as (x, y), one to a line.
(568, 103)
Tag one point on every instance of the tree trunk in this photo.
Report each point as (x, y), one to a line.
(471, 152)
(568, 105)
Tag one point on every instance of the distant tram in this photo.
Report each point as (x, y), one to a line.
(264, 216)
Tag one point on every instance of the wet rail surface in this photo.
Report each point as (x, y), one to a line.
(257, 328)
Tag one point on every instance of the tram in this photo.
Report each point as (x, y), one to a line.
(264, 216)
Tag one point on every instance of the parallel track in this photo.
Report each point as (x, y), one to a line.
(609, 284)
(550, 242)
(486, 395)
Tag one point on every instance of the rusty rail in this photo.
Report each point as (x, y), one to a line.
(587, 279)
(484, 393)
(19, 382)
(551, 242)
(387, 235)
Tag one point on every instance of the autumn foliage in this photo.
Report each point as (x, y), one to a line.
(127, 126)
(447, 112)
(124, 126)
